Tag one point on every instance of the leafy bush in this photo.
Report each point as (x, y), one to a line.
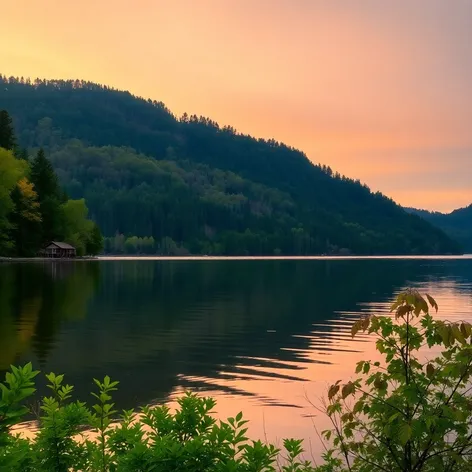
(73, 437)
(408, 413)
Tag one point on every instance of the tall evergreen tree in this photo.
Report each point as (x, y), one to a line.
(46, 185)
(7, 135)
(44, 178)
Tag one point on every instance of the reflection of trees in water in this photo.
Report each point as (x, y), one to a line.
(35, 299)
(157, 324)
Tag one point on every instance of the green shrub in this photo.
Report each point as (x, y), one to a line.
(407, 413)
(74, 437)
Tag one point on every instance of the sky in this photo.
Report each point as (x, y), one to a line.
(379, 90)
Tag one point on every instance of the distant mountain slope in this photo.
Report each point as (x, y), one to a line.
(457, 224)
(298, 207)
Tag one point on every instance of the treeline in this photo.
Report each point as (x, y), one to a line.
(34, 209)
(146, 173)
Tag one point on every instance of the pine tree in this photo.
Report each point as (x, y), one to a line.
(7, 135)
(46, 185)
(44, 178)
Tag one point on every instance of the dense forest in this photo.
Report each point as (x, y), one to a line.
(156, 183)
(34, 209)
(457, 224)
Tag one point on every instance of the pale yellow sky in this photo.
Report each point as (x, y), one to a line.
(377, 90)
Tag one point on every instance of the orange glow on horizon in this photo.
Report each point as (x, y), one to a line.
(377, 91)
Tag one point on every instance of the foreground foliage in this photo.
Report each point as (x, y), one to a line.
(189, 439)
(407, 413)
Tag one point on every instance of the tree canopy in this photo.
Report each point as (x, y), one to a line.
(33, 208)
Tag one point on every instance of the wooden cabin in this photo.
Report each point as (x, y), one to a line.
(57, 249)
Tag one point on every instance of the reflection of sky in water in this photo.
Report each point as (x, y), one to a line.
(279, 407)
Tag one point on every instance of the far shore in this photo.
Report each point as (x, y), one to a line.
(197, 257)
(48, 259)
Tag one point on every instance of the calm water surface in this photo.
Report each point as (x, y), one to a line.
(262, 336)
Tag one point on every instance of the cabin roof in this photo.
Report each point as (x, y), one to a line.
(61, 245)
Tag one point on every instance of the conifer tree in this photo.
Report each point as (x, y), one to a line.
(44, 178)
(7, 135)
(47, 187)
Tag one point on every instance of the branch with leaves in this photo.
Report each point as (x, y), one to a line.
(406, 414)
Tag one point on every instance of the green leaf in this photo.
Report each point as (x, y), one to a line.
(457, 333)
(445, 332)
(404, 433)
(466, 329)
(394, 417)
(380, 384)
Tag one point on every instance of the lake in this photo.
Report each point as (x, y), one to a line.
(260, 335)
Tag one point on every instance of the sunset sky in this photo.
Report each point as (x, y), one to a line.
(379, 90)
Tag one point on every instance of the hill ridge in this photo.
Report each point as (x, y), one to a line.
(457, 223)
(320, 211)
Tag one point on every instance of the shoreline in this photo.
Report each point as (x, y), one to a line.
(106, 258)
(47, 259)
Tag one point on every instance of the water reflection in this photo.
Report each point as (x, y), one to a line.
(259, 335)
(35, 299)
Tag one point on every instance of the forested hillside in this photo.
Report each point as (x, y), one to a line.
(457, 224)
(158, 183)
